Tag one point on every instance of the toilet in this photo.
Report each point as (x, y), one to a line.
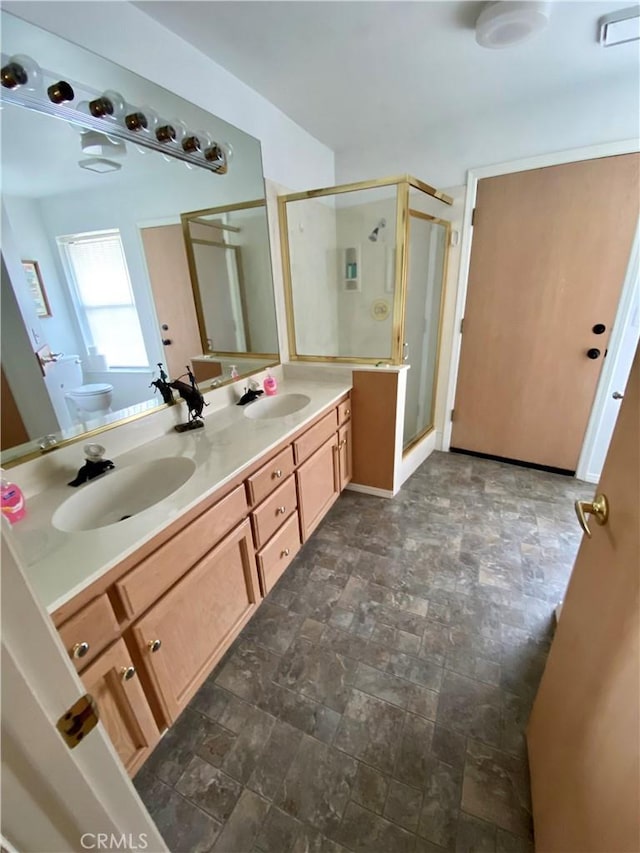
(92, 399)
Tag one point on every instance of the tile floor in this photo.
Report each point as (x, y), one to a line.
(377, 700)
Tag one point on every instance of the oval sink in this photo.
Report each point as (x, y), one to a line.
(122, 493)
(276, 407)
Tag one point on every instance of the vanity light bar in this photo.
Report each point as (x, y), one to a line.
(22, 82)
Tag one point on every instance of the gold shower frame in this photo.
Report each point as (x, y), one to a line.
(403, 184)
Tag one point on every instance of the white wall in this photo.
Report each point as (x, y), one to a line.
(442, 157)
(122, 33)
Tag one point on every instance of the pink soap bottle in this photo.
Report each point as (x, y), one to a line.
(270, 385)
(12, 500)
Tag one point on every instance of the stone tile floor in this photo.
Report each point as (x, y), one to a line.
(377, 701)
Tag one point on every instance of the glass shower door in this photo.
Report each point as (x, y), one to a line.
(427, 252)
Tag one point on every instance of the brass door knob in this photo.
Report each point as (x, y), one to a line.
(127, 672)
(598, 507)
(154, 645)
(80, 650)
(277, 474)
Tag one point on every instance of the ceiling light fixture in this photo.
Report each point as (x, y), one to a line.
(99, 164)
(108, 114)
(508, 22)
(98, 144)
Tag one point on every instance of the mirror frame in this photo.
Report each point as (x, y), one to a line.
(193, 215)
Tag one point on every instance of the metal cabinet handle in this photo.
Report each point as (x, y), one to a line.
(277, 474)
(154, 645)
(342, 443)
(80, 650)
(281, 510)
(127, 672)
(598, 507)
(617, 395)
(347, 413)
(285, 553)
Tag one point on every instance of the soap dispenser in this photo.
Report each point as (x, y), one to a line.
(13, 506)
(270, 385)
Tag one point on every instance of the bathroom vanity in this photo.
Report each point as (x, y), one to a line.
(146, 628)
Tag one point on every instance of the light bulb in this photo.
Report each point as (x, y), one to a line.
(110, 104)
(21, 71)
(61, 92)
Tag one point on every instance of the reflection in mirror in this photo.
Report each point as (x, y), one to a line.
(101, 219)
(228, 251)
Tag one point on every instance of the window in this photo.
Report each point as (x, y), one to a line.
(103, 297)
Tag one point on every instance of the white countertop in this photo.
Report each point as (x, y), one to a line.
(59, 565)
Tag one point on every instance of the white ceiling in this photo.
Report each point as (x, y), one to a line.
(363, 74)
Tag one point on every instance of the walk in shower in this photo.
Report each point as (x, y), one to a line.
(364, 267)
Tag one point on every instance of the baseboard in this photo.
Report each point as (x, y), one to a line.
(566, 472)
(590, 478)
(370, 490)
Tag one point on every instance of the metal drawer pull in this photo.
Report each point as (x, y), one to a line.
(80, 650)
(154, 645)
(347, 413)
(342, 443)
(281, 510)
(277, 474)
(285, 553)
(127, 672)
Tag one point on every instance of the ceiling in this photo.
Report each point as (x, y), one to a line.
(357, 74)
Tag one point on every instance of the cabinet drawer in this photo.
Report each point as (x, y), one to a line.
(161, 569)
(89, 631)
(344, 411)
(271, 514)
(313, 438)
(271, 475)
(276, 556)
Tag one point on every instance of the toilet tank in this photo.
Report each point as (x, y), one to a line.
(65, 373)
(62, 376)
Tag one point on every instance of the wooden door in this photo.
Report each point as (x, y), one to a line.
(12, 429)
(549, 256)
(318, 485)
(168, 270)
(196, 620)
(124, 710)
(345, 456)
(584, 732)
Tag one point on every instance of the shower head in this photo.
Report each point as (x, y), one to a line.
(375, 233)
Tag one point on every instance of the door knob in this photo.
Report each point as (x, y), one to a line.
(594, 352)
(617, 395)
(598, 507)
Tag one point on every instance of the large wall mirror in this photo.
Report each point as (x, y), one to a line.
(117, 257)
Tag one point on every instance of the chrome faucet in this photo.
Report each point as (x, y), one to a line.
(94, 465)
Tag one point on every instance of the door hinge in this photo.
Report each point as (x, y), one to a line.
(473, 217)
(461, 325)
(78, 721)
(453, 414)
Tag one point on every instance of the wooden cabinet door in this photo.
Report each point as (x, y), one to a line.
(197, 619)
(318, 485)
(124, 710)
(345, 455)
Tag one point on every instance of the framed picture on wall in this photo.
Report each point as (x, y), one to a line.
(36, 288)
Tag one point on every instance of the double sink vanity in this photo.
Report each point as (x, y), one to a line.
(150, 571)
